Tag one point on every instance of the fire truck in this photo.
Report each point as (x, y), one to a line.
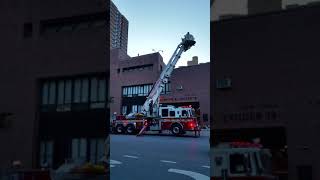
(241, 160)
(157, 117)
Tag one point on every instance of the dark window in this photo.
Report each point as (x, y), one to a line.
(118, 70)
(97, 93)
(133, 68)
(73, 23)
(304, 172)
(172, 113)
(164, 113)
(27, 30)
(64, 95)
(223, 83)
(61, 94)
(205, 117)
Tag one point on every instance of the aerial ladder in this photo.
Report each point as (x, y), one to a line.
(150, 107)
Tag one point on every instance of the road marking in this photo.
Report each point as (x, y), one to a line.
(112, 165)
(194, 175)
(134, 157)
(165, 161)
(206, 167)
(115, 162)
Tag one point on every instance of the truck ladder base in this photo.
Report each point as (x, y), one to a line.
(143, 129)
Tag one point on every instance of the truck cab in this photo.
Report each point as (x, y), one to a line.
(241, 160)
(176, 112)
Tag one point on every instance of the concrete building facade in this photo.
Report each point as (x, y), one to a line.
(264, 85)
(49, 49)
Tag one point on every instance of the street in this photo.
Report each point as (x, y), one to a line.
(159, 157)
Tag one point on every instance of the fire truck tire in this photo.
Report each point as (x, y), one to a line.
(130, 129)
(176, 129)
(119, 129)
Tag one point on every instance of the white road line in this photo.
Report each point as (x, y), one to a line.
(112, 165)
(165, 161)
(206, 167)
(115, 162)
(134, 157)
(194, 175)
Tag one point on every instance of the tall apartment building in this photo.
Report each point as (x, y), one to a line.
(118, 29)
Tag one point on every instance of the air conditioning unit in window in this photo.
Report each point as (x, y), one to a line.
(179, 88)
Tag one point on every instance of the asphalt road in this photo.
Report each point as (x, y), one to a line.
(159, 158)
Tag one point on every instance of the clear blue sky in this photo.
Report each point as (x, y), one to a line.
(160, 25)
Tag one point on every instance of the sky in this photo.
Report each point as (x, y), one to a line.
(160, 25)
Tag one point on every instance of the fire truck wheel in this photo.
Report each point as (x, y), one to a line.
(176, 129)
(130, 129)
(119, 129)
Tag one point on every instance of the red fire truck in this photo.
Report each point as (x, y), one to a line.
(177, 120)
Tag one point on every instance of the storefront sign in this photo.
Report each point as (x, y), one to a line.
(178, 99)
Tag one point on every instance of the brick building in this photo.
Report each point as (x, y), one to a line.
(264, 77)
(132, 79)
(54, 73)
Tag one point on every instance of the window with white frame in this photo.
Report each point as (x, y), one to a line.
(138, 90)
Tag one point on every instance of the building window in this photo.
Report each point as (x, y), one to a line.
(27, 30)
(64, 95)
(139, 90)
(49, 93)
(124, 110)
(139, 108)
(142, 67)
(79, 149)
(134, 109)
(167, 88)
(67, 94)
(72, 23)
(46, 153)
(96, 150)
(98, 93)
(304, 172)
(81, 90)
(45, 93)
